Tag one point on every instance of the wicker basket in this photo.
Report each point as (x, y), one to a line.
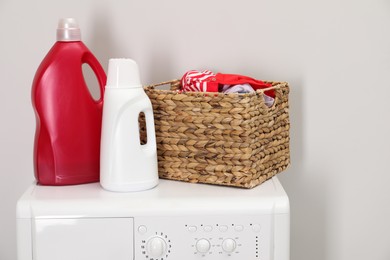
(216, 138)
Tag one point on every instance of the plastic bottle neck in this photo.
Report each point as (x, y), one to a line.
(68, 30)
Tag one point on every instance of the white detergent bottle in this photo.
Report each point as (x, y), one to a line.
(125, 164)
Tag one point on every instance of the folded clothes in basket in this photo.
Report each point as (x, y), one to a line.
(240, 88)
(207, 81)
(245, 88)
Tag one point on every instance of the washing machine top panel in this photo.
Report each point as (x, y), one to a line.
(168, 198)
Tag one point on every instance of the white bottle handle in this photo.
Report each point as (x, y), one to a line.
(150, 146)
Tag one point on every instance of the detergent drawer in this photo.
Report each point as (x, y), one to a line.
(82, 238)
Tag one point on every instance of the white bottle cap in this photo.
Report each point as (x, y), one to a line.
(123, 73)
(68, 30)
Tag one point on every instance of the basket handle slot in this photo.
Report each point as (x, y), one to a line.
(281, 90)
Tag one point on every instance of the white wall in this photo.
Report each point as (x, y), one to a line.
(335, 55)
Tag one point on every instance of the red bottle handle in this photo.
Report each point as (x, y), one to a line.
(89, 59)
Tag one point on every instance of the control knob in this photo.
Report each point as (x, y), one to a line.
(156, 247)
(203, 245)
(229, 245)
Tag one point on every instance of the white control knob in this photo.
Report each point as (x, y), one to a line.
(229, 245)
(203, 245)
(156, 247)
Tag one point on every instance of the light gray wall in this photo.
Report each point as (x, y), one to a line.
(335, 54)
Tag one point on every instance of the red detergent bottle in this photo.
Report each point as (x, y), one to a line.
(68, 118)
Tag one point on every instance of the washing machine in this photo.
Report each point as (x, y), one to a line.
(173, 221)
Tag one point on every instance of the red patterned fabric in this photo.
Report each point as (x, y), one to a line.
(207, 81)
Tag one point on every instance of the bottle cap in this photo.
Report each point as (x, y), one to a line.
(123, 73)
(68, 30)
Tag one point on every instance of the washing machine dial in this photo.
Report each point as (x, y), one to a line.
(156, 247)
(203, 245)
(229, 245)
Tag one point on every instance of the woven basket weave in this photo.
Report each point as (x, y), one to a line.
(216, 138)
